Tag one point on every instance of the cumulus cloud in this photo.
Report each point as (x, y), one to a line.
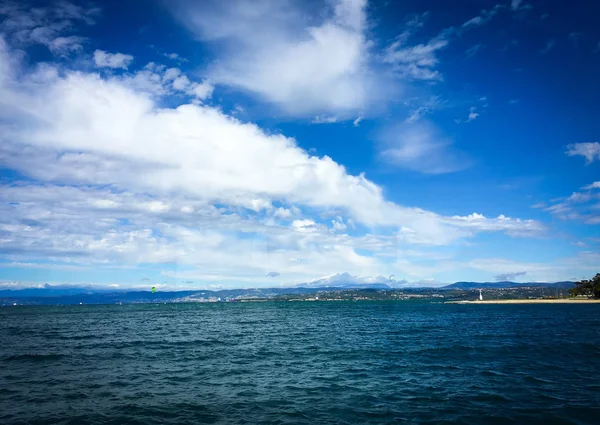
(158, 81)
(590, 151)
(117, 178)
(103, 59)
(46, 25)
(268, 49)
(191, 149)
(338, 225)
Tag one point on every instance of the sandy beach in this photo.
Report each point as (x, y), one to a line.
(534, 301)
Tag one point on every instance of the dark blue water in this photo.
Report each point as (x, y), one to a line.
(311, 363)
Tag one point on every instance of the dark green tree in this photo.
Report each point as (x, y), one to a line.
(590, 287)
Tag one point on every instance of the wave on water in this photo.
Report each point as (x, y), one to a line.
(280, 363)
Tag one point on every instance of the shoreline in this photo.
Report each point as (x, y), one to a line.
(528, 301)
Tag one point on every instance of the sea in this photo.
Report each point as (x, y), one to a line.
(405, 362)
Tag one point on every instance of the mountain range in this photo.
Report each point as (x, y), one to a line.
(89, 295)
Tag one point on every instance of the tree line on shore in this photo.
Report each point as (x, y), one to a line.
(589, 287)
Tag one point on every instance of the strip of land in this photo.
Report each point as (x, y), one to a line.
(534, 301)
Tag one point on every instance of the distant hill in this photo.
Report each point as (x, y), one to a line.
(44, 296)
(50, 295)
(503, 285)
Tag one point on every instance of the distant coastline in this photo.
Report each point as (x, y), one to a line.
(527, 301)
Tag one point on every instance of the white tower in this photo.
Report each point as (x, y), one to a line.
(480, 296)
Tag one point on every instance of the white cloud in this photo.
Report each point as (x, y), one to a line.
(474, 22)
(158, 80)
(472, 114)
(66, 45)
(519, 6)
(484, 18)
(325, 119)
(175, 57)
(203, 90)
(590, 151)
(416, 114)
(416, 62)
(338, 225)
(118, 179)
(285, 213)
(45, 25)
(340, 280)
(303, 225)
(595, 185)
(103, 59)
(423, 108)
(582, 206)
(417, 146)
(269, 50)
(357, 121)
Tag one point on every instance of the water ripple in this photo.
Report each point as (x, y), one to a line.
(300, 363)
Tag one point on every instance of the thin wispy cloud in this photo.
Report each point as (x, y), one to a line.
(416, 62)
(549, 46)
(575, 38)
(418, 147)
(472, 51)
(484, 17)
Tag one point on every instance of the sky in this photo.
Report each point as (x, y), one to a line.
(207, 144)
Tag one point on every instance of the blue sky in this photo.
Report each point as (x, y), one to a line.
(207, 144)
